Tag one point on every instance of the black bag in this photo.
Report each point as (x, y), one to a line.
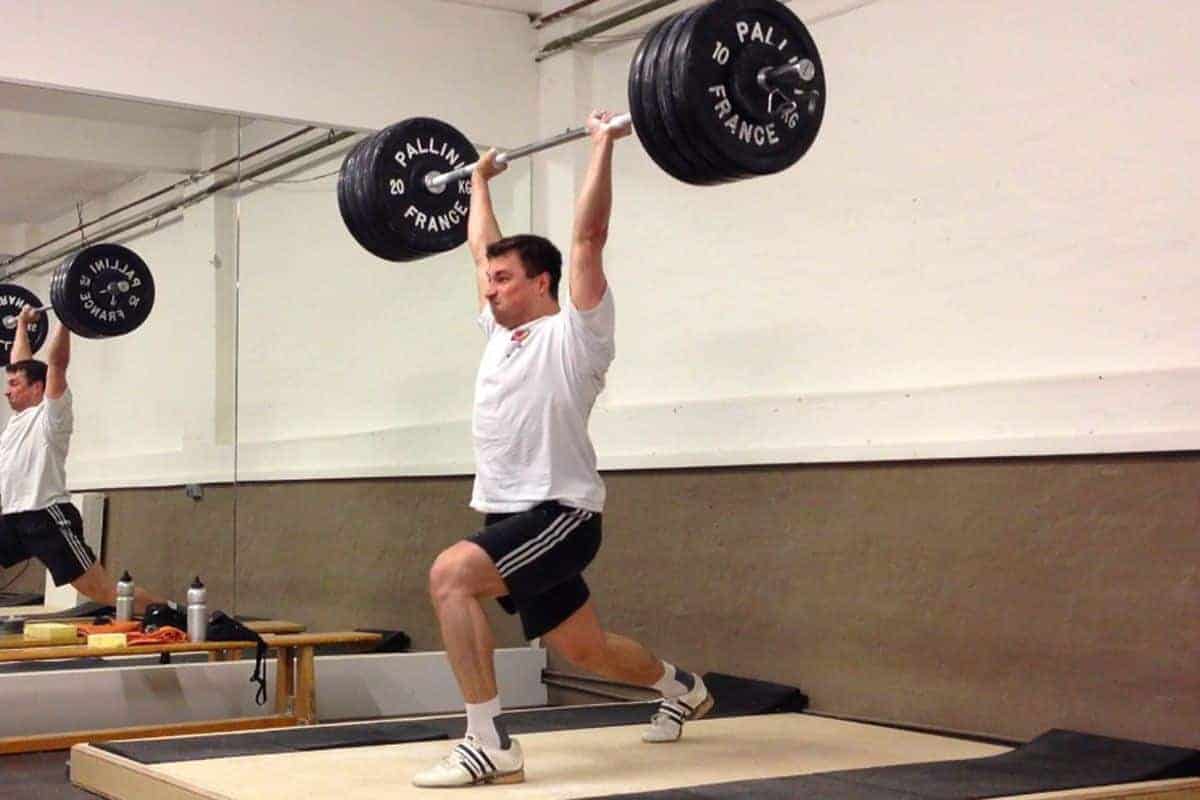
(224, 628)
(160, 615)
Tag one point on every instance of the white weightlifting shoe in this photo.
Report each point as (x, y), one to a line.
(470, 763)
(667, 723)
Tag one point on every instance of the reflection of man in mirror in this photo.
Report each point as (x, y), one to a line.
(39, 520)
(536, 478)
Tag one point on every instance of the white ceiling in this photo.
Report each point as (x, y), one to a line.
(59, 148)
(58, 103)
(39, 189)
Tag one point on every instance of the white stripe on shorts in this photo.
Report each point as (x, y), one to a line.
(64, 527)
(554, 533)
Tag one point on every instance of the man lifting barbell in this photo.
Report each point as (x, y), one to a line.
(38, 520)
(536, 478)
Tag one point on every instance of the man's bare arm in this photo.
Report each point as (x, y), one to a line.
(58, 357)
(21, 349)
(592, 212)
(482, 228)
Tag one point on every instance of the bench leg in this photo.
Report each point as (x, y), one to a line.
(306, 685)
(285, 680)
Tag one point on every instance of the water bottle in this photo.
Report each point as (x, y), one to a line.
(125, 598)
(197, 612)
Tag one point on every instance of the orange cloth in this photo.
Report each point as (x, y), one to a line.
(164, 635)
(112, 627)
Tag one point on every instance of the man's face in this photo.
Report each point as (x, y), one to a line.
(512, 295)
(21, 393)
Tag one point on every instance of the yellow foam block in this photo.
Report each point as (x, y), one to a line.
(53, 632)
(106, 640)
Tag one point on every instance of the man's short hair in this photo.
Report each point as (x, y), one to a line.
(537, 253)
(34, 370)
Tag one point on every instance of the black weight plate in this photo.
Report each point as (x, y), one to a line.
(351, 216)
(60, 306)
(673, 95)
(387, 246)
(709, 163)
(416, 218)
(728, 42)
(644, 110)
(62, 309)
(702, 173)
(12, 299)
(104, 290)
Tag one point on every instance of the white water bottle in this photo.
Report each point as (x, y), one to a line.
(125, 598)
(197, 612)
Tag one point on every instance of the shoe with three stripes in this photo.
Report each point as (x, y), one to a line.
(667, 723)
(470, 762)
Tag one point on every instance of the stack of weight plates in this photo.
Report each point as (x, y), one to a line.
(102, 290)
(12, 299)
(696, 101)
(382, 194)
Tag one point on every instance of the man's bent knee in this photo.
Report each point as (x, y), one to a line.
(463, 568)
(587, 653)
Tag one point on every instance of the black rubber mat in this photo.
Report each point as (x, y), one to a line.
(735, 697)
(1055, 761)
(283, 740)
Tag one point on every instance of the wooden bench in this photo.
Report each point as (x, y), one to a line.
(295, 685)
(259, 626)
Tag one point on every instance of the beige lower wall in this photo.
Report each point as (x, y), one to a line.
(1001, 597)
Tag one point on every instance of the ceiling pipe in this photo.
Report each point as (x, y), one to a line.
(562, 13)
(565, 42)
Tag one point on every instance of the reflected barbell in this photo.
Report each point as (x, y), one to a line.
(729, 90)
(100, 291)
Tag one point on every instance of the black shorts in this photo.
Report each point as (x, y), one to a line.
(52, 535)
(541, 554)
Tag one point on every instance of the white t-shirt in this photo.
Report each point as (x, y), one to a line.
(33, 456)
(534, 392)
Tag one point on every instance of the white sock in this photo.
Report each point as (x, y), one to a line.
(674, 682)
(481, 722)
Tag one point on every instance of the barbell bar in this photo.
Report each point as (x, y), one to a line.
(10, 321)
(436, 181)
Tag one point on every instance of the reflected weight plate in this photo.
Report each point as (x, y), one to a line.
(56, 296)
(12, 299)
(413, 217)
(715, 77)
(103, 290)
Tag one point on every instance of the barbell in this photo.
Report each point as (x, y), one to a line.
(729, 90)
(100, 291)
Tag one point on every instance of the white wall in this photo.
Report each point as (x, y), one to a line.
(13, 239)
(359, 64)
(990, 249)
